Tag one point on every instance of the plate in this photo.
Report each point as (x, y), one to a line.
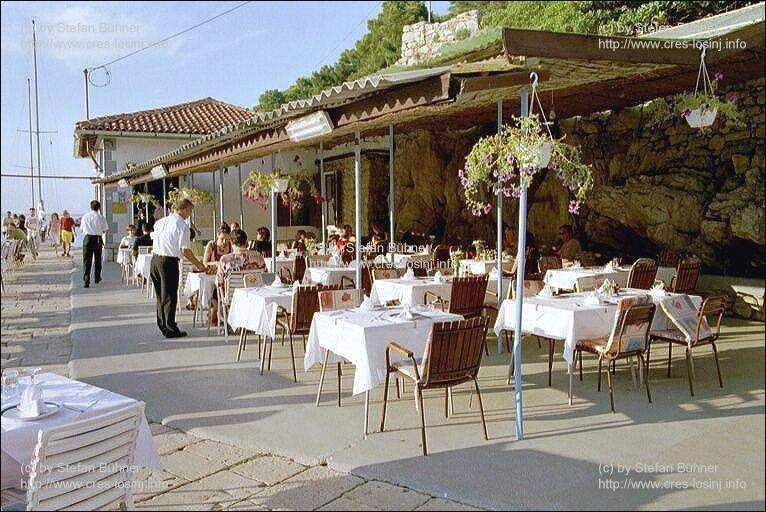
(13, 412)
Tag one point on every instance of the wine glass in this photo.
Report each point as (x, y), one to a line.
(10, 382)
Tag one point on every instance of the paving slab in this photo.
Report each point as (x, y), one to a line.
(172, 440)
(225, 454)
(149, 482)
(384, 496)
(269, 469)
(189, 466)
(309, 490)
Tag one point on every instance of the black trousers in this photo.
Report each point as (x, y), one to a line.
(165, 273)
(92, 246)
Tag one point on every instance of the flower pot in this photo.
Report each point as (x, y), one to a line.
(699, 118)
(280, 185)
(544, 155)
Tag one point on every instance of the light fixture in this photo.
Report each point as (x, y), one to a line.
(310, 126)
(159, 171)
(123, 183)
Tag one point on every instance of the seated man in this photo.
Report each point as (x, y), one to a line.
(145, 240)
(570, 246)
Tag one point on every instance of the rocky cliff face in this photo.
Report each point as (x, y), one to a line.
(656, 188)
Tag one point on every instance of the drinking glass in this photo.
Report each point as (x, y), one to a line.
(10, 382)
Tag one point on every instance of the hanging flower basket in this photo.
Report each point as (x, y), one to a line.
(505, 162)
(193, 194)
(141, 197)
(294, 189)
(700, 118)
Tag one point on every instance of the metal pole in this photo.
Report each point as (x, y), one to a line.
(132, 208)
(31, 153)
(358, 209)
(191, 184)
(87, 95)
(220, 193)
(146, 204)
(214, 216)
(391, 228)
(323, 192)
(37, 116)
(241, 204)
(273, 219)
(499, 227)
(164, 197)
(519, 302)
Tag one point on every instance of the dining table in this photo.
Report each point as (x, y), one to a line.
(570, 317)
(360, 336)
(203, 283)
(331, 275)
(143, 265)
(123, 255)
(77, 401)
(583, 279)
(481, 267)
(413, 291)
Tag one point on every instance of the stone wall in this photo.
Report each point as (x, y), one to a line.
(422, 41)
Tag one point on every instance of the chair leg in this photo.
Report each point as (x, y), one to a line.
(340, 376)
(579, 356)
(385, 402)
(446, 402)
(717, 365)
(645, 368)
(550, 362)
(292, 358)
(511, 342)
(611, 391)
(670, 357)
(398, 394)
(241, 342)
(271, 350)
(689, 371)
(598, 388)
(486, 347)
(422, 419)
(321, 377)
(481, 409)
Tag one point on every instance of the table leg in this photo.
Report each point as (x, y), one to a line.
(263, 358)
(571, 375)
(366, 411)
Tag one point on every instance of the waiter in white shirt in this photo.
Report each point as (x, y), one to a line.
(93, 225)
(172, 239)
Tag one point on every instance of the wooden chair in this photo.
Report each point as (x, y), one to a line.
(346, 283)
(586, 259)
(299, 267)
(545, 263)
(86, 465)
(713, 307)
(386, 273)
(419, 268)
(285, 274)
(442, 258)
(642, 274)
(184, 268)
(466, 296)
(669, 258)
(452, 356)
(334, 300)
(305, 302)
(144, 249)
(687, 275)
(629, 337)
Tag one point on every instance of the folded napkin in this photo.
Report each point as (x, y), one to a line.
(409, 275)
(277, 283)
(438, 277)
(607, 288)
(576, 264)
(547, 291)
(32, 400)
(658, 290)
(609, 267)
(493, 274)
(592, 299)
(334, 261)
(406, 313)
(367, 305)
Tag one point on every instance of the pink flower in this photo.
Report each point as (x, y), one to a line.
(574, 207)
(733, 99)
(718, 75)
(487, 208)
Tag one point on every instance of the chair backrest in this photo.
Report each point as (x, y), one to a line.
(630, 331)
(317, 260)
(144, 249)
(687, 274)
(86, 465)
(330, 300)
(531, 288)
(366, 279)
(268, 277)
(642, 274)
(442, 258)
(545, 263)
(453, 352)
(299, 267)
(251, 279)
(467, 295)
(419, 268)
(305, 303)
(586, 259)
(348, 254)
(237, 279)
(386, 273)
(285, 274)
(669, 258)
(714, 308)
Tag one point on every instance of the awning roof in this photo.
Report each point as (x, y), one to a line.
(577, 70)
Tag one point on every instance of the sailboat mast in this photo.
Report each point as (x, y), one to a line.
(37, 116)
(31, 154)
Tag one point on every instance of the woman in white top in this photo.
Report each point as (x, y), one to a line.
(129, 238)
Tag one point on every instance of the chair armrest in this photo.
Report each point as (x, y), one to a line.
(431, 298)
(392, 345)
(397, 347)
(343, 279)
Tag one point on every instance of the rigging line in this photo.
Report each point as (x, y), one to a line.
(366, 17)
(208, 20)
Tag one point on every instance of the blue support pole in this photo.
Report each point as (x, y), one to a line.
(391, 247)
(241, 205)
(358, 210)
(273, 219)
(323, 192)
(519, 302)
(499, 228)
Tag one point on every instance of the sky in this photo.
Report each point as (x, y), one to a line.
(262, 45)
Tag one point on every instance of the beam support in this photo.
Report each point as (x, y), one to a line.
(499, 227)
(241, 203)
(391, 197)
(220, 193)
(164, 197)
(358, 210)
(323, 193)
(273, 219)
(214, 212)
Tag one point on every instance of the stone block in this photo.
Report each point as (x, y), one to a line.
(189, 466)
(308, 490)
(269, 469)
(227, 455)
(384, 496)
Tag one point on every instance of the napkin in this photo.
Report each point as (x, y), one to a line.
(334, 261)
(576, 264)
(32, 400)
(658, 290)
(493, 274)
(367, 305)
(547, 291)
(277, 282)
(592, 299)
(609, 267)
(438, 277)
(406, 313)
(409, 275)
(307, 278)
(608, 288)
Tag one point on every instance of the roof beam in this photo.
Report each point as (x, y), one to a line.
(470, 87)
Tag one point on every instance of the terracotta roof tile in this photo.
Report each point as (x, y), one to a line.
(196, 117)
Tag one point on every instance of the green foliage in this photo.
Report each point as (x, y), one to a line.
(271, 99)
(462, 34)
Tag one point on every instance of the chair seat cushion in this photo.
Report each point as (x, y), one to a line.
(673, 335)
(405, 366)
(593, 345)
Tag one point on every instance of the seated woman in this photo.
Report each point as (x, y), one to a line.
(239, 259)
(129, 238)
(262, 242)
(217, 248)
(300, 241)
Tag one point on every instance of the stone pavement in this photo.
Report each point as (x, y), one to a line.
(197, 473)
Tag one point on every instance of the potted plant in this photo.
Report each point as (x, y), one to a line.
(193, 194)
(701, 107)
(141, 197)
(294, 189)
(505, 162)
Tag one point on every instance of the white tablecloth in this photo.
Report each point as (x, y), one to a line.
(664, 274)
(123, 255)
(583, 279)
(255, 309)
(401, 260)
(566, 317)
(361, 338)
(483, 266)
(143, 265)
(203, 283)
(330, 275)
(281, 263)
(19, 438)
(414, 292)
